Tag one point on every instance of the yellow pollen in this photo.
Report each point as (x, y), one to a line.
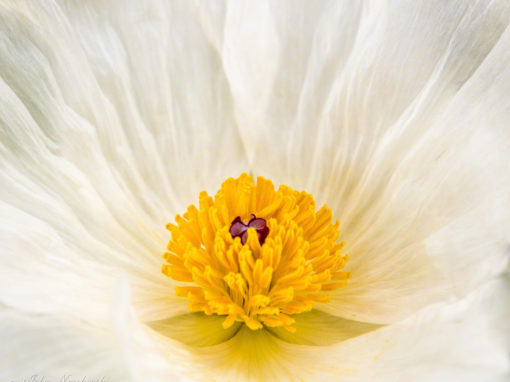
(297, 266)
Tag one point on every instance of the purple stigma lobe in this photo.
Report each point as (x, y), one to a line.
(240, 229)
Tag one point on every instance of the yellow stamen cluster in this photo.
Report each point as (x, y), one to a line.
(296, 267)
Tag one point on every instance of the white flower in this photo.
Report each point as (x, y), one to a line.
(114, 115)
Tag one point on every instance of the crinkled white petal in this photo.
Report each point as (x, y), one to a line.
(451, 191)
(393, 113)
(49, 347)
(77, 345)
(99, 143)
(43, 273)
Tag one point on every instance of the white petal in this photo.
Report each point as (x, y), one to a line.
(450, 201)
(349, 74)
(105, 138)
(272, 52)
(55, 348)
(43, 274)
(67, 86)
(73, 344)
(384, 116)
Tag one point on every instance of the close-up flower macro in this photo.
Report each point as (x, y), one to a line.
(254, 190)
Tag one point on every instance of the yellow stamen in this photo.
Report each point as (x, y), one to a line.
(297, 265)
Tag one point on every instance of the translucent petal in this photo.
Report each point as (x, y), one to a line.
(195, 329)
(321, 329)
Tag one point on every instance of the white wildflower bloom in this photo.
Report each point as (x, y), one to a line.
(116, 115)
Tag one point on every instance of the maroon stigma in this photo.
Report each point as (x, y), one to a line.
(240, 229)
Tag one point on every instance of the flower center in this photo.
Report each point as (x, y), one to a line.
(282, 262)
